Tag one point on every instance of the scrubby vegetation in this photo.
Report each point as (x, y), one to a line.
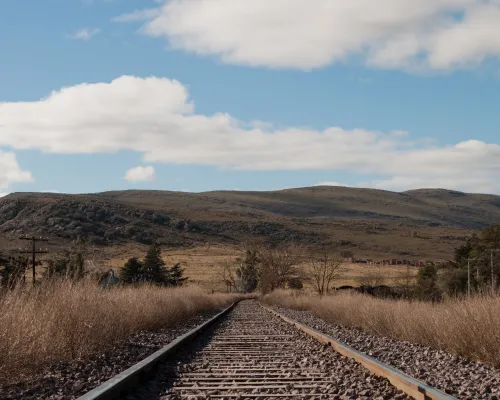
(63, 320)
(464, 326)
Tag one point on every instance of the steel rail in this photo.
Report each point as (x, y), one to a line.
(411, 386)
(117, 386)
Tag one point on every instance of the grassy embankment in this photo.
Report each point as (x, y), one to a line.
(466, 327)
(63, 321)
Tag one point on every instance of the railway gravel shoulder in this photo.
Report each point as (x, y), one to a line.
(459, 377)
(69, 380)
(253, 354)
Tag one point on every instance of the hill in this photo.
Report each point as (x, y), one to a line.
(424, 223)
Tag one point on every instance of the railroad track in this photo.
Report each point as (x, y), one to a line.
(251, 353)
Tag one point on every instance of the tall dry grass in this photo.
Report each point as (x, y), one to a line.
(468, 327)
(62, 321)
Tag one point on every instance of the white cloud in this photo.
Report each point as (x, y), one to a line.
(140, 173)
(10, 171)
(138, 15)
(408, 34)
(84, 33)
(155, 116)
(2, 194)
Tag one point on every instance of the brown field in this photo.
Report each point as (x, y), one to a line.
(466, 327)
(64, 321)
(201, 263)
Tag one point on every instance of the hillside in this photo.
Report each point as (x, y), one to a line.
(373, 223)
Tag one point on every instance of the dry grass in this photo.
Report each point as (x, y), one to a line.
(201, 265)
(466, 327)
(63, 321)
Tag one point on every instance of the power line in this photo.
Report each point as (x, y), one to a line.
(34, 251)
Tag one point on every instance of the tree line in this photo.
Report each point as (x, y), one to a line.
(70, 264)
(267, 268)
(152, 270)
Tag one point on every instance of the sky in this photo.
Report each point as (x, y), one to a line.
(199, 95)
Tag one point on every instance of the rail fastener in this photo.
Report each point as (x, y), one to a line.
(411, 386)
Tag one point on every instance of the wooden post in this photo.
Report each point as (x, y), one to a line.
(34, 252)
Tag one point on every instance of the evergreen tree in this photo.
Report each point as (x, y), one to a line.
(133, 271)
(427, 282)
(154, 266)
(176, 275)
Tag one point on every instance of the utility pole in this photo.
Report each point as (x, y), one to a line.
(34, 251)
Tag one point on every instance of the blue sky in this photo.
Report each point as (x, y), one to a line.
(201, 95)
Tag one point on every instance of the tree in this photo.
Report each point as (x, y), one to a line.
(406, 279)
(132, 271)
(454, 280)
(278, 266)
(227, 274)
(372, 277)
(71, 264)
(176, 275)
(484, 260)
(427, 282)
(58, 267)
(323, 269)
(154, 266)
(77, 256)
(248, 271)
(295, 284)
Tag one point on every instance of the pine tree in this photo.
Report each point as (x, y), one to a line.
(154, 266)
(176, 275)
(133, 271)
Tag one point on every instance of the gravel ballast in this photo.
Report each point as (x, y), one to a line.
(459, 377)
(251, 352)
(70, 380)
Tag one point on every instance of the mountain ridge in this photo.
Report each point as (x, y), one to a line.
(422, 222)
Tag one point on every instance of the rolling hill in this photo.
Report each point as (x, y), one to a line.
(426, 223)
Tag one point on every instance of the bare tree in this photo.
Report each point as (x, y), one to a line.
(405, 279)
(278, 266)
(373, 277)
(323, 269)
(226, 273)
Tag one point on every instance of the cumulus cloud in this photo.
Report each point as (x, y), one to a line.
(155, 116)
(409, 34)
(140, 173)
(11, 172)
(84, 33)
